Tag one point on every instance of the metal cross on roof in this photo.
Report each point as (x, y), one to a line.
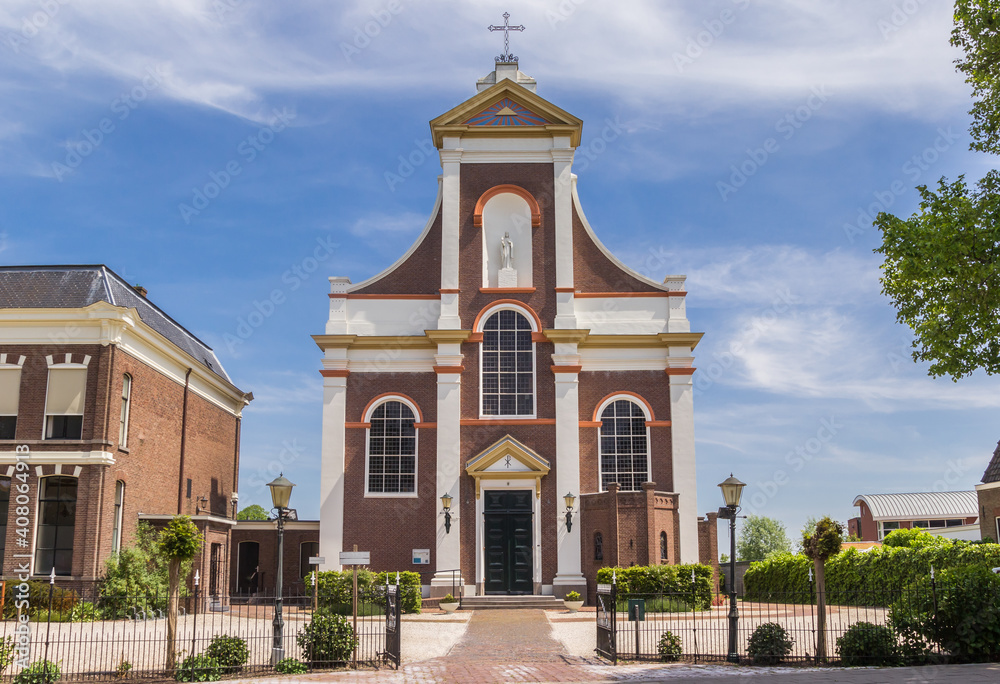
(506, 28)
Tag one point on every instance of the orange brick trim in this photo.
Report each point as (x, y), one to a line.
(672, 293)
(645, 403)
(566, 369)
(679, 371)
(449, 290)
(590, 423)
(476, 327)
(536, 212)
(385, 395)
(565, 289)
(475, 337)
(506, 290)
(385, 296)
(357, 425)
(427, 426)
(449, 369)
(512, 421)
(538, 337)
(338, 373)
(657, 423)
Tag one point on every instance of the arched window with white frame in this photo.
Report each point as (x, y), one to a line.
(391, 448)
(507, 364)
(624, 443)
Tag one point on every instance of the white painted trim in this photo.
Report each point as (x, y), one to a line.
(127, 405)
(496, 308)
(987, 485)
(5, 364)
(399, 262)
(196, 518)
(416, 449)
(649, 457)
(271, 525)
(332, 464)
(58, 457)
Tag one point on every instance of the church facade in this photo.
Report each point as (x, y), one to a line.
(508, 406)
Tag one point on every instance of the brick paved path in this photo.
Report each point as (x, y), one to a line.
(516, 646)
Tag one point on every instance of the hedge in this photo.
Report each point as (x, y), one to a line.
(662, 579)
(335, 588)
(872, 577)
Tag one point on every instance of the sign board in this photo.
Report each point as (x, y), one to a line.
(355, 558)
(316, 560)
(421, 556)
(636, 610)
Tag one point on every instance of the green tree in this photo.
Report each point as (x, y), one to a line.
(977, 34)
(179, 541)
(821, 543)
(253, 512)
(761, 537)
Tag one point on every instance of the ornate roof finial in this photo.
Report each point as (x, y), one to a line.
(506, 28)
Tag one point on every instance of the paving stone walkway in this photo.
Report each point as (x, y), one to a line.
(517, 646)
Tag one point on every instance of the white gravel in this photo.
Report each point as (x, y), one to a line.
(432, 636)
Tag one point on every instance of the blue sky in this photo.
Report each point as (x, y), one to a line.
(116, 115)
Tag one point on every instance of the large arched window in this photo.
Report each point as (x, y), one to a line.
(392, 449)
(624, 445)
(508, 365)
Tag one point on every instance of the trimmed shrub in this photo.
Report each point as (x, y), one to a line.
(336, 588)
(669, 647)
(409, 588)
(328, 639)
(7, 653)
(965, 622)
(866, 644)
(291, 666)
(769, 644)
(198, 668)
(39, 672)
(663, 579)
(232, 653)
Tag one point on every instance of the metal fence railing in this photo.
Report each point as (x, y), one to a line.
(91, 635)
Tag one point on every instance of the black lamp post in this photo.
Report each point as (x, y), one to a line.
(446, 499)
(732, 490)
(281, 492)
(569, 499)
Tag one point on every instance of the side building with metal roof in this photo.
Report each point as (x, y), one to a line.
(948, 514)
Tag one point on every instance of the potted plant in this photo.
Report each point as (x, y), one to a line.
(573, 601)
(448, 603)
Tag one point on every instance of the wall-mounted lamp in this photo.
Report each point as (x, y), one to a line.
(569, 499)
(446, 499)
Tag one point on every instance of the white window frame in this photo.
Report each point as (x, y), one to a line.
(54, 365)
(649, 452)
(16, 365)
(881, 529)
(524, 311)
(126, 410)
(417, 418)
(119, 508)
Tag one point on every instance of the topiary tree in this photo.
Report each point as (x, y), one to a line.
(179, 541)
(821, 543)
(769, 644)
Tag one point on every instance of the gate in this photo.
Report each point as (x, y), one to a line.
(392, 624)
(607, 637)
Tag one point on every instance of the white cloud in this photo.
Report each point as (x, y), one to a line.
(380, 226)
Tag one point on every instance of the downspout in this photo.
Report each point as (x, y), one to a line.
(184, 413)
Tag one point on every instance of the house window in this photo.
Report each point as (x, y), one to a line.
(885, 528)
(392, 449)
(663, 546)
(10, 393)
(64, 403)
(508, 363)
(624, 445)
(126, 405)
(56, 522)
(306, 551)
(116, 533)
(598, 547)
(4, 503)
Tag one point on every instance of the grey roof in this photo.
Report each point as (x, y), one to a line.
(921, 505)
(73, 287)
(992, 473)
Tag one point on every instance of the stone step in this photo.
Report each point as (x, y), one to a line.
(511, 602)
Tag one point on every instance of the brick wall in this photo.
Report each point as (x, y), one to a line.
(295, 534)
(989, 509)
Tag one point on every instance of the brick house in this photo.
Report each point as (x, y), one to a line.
(988, 497)
(125, 415)
(506, 360)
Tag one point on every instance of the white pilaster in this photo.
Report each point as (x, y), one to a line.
(337, 323)
(569, 571)
(451, 162)
(562, 164)
(331, 528)
(449, 464)
(682, 447)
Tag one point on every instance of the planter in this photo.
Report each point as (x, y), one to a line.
(449, 607)
(572, 606)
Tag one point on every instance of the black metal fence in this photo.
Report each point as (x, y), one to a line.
(90, 635)
(880, 626)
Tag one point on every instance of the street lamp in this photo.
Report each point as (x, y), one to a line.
(446, 506)
(569, 499)
(281, 492)
(732, 490)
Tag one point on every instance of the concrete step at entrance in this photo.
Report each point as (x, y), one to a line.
(511, 602)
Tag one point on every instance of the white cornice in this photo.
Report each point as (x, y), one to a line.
(987, 485)
(196, 518)
(59, 457)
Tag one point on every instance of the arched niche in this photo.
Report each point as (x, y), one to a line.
(507, 214)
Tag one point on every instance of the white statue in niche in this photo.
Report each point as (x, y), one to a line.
(507, 275)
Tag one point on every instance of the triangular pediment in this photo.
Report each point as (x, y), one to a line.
(507, 458)
(507, 109)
